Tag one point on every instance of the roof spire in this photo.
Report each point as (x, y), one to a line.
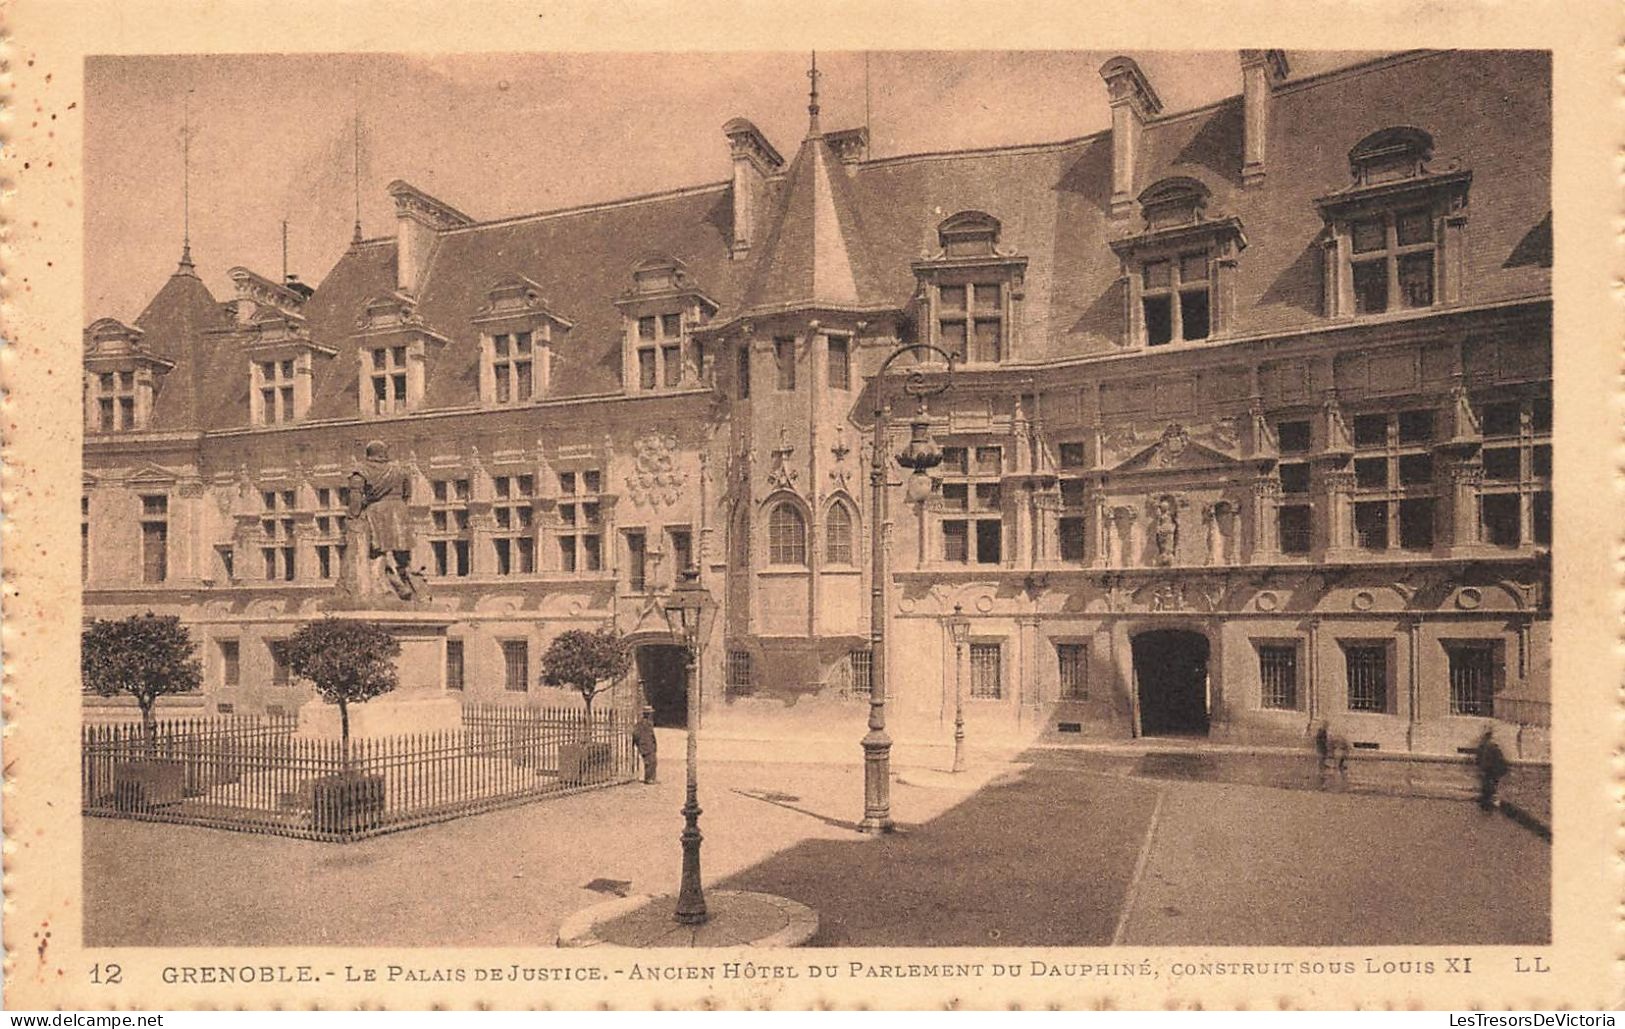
(186, 184)
(356, 237)
(812, 98)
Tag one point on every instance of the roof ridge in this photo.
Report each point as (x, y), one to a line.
(588, 208)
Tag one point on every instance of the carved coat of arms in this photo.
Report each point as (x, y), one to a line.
(655, 481)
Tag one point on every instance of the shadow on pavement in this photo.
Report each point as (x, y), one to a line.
(1043, 859)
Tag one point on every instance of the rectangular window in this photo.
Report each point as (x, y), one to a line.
(1073, 455)
(84, 539)
(332, 515)
(859, 671)
(388, 380)
(1499, 515)
(1472, 679)
(1193, 313)
(580, 521)
(1416, 523)
(840, 364)
(955, 548)
(231, 670)
(516, 666)
(742, 373)
(513, 360)
(1278, 676)
(1501, 464)
(682, 550)
(1295, 529)
(1371, 525)
(1541, 517)
(154, 539)
(970, 483)
(1074, 533)
(1159, 320)
(1293, 437)
(989, 541)
(970, 322)
(647, 357)
(1416, 426)
(1394, 261)
(115, 392)
(454, 665)
(1416, 470)
(277, 545)
(513, 532)
(671, 360)
(784, 358)
(1370, 287)
(986, 671)
(1175, 300)
(1074, 670)
(1371, 473)
(449, 533)
(1366, 667)
(636, 562)
(741, 679)
(1371, 430)
(1294, 477)
(280, 671)
(274, 380)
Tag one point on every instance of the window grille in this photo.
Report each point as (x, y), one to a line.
(516, 665)
(741, 677)
(986, 671)
(1472, 681)
(1074, 667)
(1367, 670)
(454, 664)
(860, 671)
(1278, 673)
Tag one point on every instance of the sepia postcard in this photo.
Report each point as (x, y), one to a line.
(717, 505)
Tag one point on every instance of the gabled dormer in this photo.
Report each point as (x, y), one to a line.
(1179, 268)
(122, 376)
(395, 347)
(281, 367)
(971, 288)
(518, 333)
(660, 311)
(1395, 237)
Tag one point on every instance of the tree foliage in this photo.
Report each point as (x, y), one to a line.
(146, 656)
(346, 660)
(588, 662)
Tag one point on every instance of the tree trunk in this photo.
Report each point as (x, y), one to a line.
(149, 723)
(344, 732)
(586, 722)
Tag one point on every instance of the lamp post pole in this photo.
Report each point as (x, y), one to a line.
(876, 743)
(685, 611)
(958, 628)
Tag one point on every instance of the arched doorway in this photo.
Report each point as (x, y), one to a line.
(663, 676)
(1170, 673)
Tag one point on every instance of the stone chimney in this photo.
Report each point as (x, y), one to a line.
(1132, 101)
(754, 162)
(1261, 70)
(849, 145)
(418, 217)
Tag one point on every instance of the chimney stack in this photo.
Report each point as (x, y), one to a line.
(418, 217)
(1132, 101)
(754, 162)
(1261, 70)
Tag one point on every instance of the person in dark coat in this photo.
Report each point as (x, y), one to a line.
(643, 739)
(1492, 768)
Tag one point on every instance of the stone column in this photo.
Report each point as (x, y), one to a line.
(1266, 526)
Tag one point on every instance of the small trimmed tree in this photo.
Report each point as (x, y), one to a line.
(146, 656)
(348, 661)
(587, 662)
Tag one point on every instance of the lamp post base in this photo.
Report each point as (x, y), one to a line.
(690, 894)
(876, 783)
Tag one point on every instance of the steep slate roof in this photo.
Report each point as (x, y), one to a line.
(176, 324)
(845, 234)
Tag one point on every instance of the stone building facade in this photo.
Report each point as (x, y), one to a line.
(1249, 425)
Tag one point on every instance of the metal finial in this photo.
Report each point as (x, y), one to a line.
(812, 99)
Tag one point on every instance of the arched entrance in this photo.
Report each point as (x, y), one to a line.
(663, 676)
(1171, 677)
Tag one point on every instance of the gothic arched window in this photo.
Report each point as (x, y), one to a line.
(786, 536)
(838, 535)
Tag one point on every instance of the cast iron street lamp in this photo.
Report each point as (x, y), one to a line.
(921, 455)
(959, 629)
(690, 605)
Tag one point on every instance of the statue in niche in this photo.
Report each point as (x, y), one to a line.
(1165, 528)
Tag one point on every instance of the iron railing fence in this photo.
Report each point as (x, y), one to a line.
(260, 776)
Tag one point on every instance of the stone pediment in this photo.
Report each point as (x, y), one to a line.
(1175, 451)
(150, 475)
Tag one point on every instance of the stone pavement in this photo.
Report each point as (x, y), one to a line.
(736, 918)
(1050, 851)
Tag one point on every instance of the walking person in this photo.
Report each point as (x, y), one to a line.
(643, 738)
(1492, 768)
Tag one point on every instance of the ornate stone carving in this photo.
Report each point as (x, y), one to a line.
(1163, 512)
(781, 475)
(840, 474)
(655, 481)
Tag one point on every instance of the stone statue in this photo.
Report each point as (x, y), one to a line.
(1165, 529)
(379, 491)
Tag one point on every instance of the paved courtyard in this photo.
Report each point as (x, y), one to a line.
(1057, 850)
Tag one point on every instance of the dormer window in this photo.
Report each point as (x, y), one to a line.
(121, 377)
(972, 289)
(274, 381)
(1179, 269)
(388, 380)
(1394, 236)
(394, 355)
(661, 311)
(115, 401)
(518, 333)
